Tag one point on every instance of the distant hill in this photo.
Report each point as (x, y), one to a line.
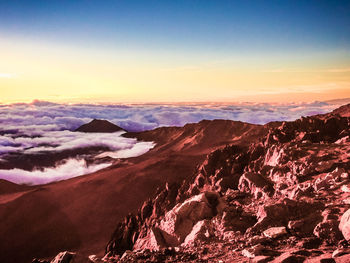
(99, 126)
(343, 111)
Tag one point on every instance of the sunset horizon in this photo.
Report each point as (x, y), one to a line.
(174, 51)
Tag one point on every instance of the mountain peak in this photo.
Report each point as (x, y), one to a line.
(97, 125)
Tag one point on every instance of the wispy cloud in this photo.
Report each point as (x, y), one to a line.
(69, 169)
(300, 70)
(7, 75)
(338, 70)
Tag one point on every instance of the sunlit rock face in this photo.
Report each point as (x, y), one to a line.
(279, 198)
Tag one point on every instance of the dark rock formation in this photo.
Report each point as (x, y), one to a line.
(99, 126)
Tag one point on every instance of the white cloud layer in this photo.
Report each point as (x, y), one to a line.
(48, 127)
(71, 168)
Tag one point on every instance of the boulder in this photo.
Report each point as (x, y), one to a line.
(288, 257)
(306, 225)
(154, 240)
(345, 188)
(179, 221)
(256, 184)
(344, 225)
(340, 252)
(281, 213)
(275, 232)
(254, 251)
(63, 257)
(200, 232)
(343, 259)
(328, 231)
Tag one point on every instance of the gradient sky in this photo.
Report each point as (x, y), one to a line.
(157, 51)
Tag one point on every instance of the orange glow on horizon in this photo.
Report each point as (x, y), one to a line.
(29, 72)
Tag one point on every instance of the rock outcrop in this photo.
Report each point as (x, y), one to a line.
(99, 126)
(344, 225)
(274, 199)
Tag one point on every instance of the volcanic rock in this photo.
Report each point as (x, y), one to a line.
(99, 126)
(289, 257)
(328, 230)
(256, 184)
(228, 182)
(63, 257)
(201, 231)
(253, 251)
(275, 232)
(344, 225)
(340, 251)
(179, 221)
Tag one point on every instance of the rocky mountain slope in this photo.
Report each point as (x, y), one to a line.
(285, 198)
(80, 214)
(226, 192)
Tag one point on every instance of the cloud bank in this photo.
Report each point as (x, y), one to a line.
(71, 168)
(48, 127)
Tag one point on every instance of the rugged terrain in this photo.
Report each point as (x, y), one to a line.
(80, 214)
(284, 198)
(214, 191)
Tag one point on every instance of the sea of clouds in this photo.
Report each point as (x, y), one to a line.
(48, 127)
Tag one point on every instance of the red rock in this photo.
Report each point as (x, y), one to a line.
(344, 225)
(253, 251)
(288, 257)
(179, 221)
(324, 258)
(261, 259)
(328, 230)
(63, 257)
(343, 259)
(275, 232)
(256, 184)
(201, 231)
(340, 252)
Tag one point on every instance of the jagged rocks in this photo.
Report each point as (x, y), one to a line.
(289, 257)
(344, 225)
(235, 219)
(63, 257)
(179, 221)
(280, 193)
(328, 230)
(256, 184)
(154, 240)
(125, 235)
(201, 231)
(281, 213)
(253, 251)
(275, 232)
(185, 223)
(35, 260)
(340, 252)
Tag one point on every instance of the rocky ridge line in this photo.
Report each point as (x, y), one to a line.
(289, 191)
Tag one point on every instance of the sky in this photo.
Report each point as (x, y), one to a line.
(174, 51)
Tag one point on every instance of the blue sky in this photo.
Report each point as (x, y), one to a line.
(189, 25)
